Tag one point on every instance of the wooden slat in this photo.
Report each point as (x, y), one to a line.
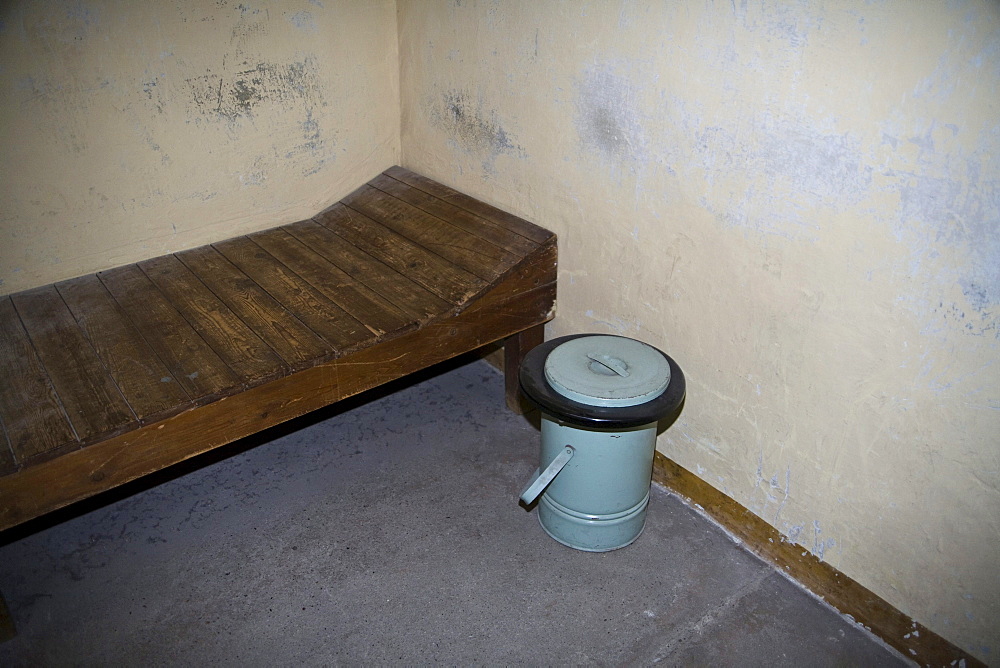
(148, 386)
(32, 415)
(480, 208)
(465, 250)
(522, 300)
(429, 270)
(235, 343)
(378, 314)
(191, 361)
(91, 398)
(477, 225)
(409, 297)
(281, 330)
(337, 327)
(7, 462)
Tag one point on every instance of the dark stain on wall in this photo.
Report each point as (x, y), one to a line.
(606, 116)
(601, 127)
(471, 127)
(233, 96)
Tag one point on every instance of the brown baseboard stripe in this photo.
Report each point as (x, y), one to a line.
(911, 638)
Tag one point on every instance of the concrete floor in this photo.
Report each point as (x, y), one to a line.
(386, 531)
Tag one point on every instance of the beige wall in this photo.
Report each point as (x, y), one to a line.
(131, 129)
(800, 202)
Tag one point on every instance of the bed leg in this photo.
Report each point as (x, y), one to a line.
(7, 629)
(514, 350)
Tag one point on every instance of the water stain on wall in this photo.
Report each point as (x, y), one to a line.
(471, 127)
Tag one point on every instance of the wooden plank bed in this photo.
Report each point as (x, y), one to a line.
(112, 376)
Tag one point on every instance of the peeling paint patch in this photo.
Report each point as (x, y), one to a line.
(81, 19)
(234, 96)
(303, 21)
(40, 88)
(246, 34)
(476, 130)
(827, 166)
(315, 147)
(801, 167)
(310, 130)
(146, 137)
(82, 14)
(948, 204)
(256, 175)
(150, 88)
(607, 116)
(774, 491)
(820, 545)
(615, 324)
(778, 21)
(472, 128)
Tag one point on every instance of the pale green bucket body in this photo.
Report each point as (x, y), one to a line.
(601, 398)
(598, 500)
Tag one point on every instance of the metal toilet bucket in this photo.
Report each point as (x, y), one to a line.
(601, 398)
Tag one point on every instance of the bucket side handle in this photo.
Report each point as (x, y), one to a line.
(536, 486)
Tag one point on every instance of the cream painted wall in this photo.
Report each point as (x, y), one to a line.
(801, 203)
(132, 129)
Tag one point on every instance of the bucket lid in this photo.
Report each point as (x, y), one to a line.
(607, 371)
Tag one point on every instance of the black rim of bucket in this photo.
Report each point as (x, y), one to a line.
(537, 389)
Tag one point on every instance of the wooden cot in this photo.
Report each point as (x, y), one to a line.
(115, 375)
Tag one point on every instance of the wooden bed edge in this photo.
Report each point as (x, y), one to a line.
(524, 299)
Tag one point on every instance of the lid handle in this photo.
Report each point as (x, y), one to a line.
(603, 364)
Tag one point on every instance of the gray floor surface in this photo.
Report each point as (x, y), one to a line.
(385, 530)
